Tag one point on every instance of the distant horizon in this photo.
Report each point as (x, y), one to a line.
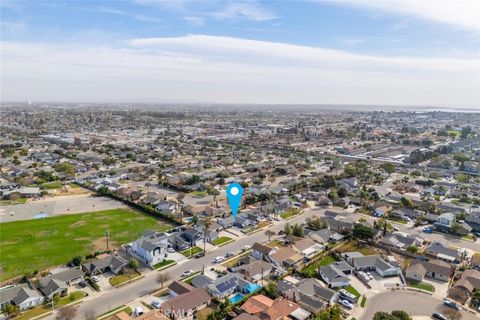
(325, 106)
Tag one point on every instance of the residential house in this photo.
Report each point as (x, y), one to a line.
(226, 285)
(179, 287)
(255, 270)
(151, 246)
(22, 296)
(307, 247)
(285, 257)
(439, 251)
(261, 251)
(310, 293)
(113, 263)
(469, 282)
(399, 241)
(323, 236)
(333, 276)
(167, 207)
(186, 305)
(371, 263)
(268, 309)
(445, 221)
(435, 269)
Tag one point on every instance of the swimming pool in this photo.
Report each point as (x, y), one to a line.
(252, 287)
(236, 298)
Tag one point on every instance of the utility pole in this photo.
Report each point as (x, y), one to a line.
(107, 236)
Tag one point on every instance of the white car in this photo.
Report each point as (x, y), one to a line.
(346, 304)
(369, 275)
(95, 279)
(156, 304)
(170, 250)
(345, 295)
(218, 259)
(246, 247)
(187, 273)
(138, 311)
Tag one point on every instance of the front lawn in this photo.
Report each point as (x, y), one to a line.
(35, 312)
(353, 291)
(421, 285)
(191, 252)
(363, 302)
(164, 263)
(122, 278)
(469, 237)
(198, 193)
(222, 241)
(289, 213)
(52, 185)
(37, 244)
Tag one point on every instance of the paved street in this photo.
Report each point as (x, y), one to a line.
(414, 303)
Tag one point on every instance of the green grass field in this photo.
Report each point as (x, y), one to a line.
(222, 241)
(311, 270)
(30, 245)
(191, 252)
(422, 285)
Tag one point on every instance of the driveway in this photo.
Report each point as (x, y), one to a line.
(414, 303)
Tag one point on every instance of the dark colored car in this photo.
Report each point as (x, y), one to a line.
(83, 284)
(438, 316)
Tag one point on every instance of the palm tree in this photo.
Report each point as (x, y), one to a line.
(206, 224)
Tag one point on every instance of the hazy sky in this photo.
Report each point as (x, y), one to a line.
(342, 52)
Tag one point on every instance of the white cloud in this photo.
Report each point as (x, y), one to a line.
(203, 68)
(460, 13)
(136, 16)
(249, 11)
(195, 21)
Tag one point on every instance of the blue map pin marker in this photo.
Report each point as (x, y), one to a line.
(234, 196)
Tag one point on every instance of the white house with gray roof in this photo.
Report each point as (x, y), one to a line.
(151, 247)
(21, 296)
(371, 263)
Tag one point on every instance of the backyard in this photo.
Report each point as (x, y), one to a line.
(31, 245)
(311, 270)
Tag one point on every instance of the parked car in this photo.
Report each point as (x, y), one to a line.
(369, 275)
(246, 247)
(138, 311)
(156, 304)
(229, 255)
(451, 304)
(187, 273)
(218, 259)
(427, 230)
(344, 294)
(363, 276)
(346, 304)
(95, 279)
(83, 284)
(170, 250)
(438, 316)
